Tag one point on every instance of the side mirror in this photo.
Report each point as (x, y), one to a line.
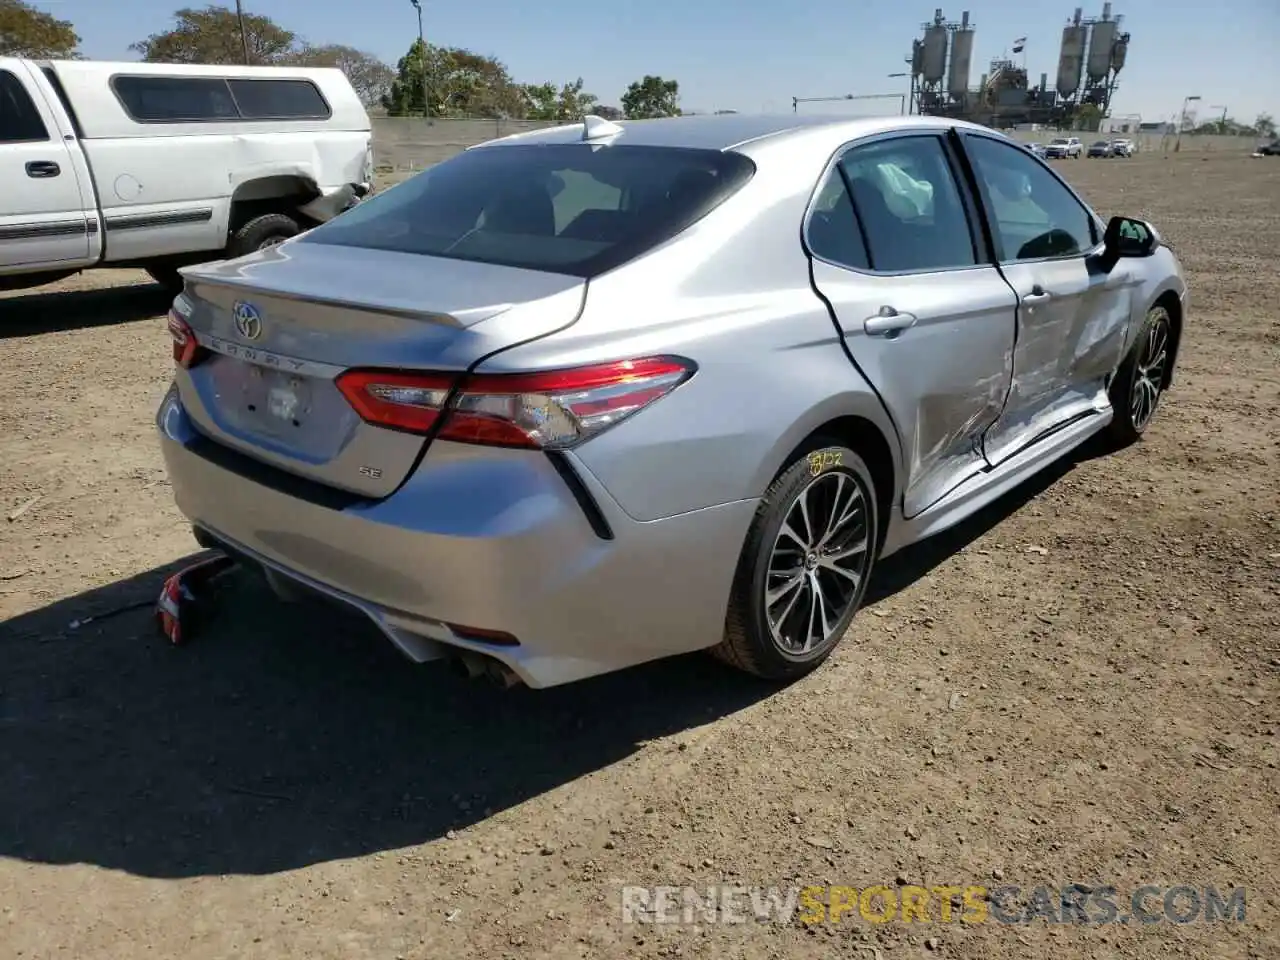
(1129, 237)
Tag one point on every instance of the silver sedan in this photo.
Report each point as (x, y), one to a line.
(595, 395)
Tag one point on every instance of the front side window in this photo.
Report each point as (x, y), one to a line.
(1032, 214)
(564, 208)
(909, 205)
(19, 119)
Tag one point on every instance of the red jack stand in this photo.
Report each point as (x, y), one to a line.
(178, 611)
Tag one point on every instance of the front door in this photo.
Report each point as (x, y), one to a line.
(1073, 316)
(926, 317)
(42, 217)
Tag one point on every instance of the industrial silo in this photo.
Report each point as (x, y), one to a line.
(1118, 52)
(961, 58)
(1102, 39)
(917, 58)
(1071, 60)
(934, 64)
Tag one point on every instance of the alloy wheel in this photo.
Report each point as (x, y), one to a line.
(1149, 374)
(818, 564)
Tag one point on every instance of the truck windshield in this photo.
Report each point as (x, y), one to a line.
(577, 208)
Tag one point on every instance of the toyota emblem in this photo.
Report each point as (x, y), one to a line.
(248, 320)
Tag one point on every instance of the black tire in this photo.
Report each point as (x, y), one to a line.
(826, 472)
(1145, 368)
(167, 276)
(261, 232)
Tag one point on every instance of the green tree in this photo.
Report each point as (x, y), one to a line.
(570, 102)
(212, 35)
(369, 76)
(1265, 125)
(608, 113)
(652, 97)
(1088, 118)
(28, 32)
(459, 83)
(540, 100)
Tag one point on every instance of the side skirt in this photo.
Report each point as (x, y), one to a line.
(982, 488)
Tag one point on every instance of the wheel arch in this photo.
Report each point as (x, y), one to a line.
(274, 193)
(1170, 300)
(865, 437)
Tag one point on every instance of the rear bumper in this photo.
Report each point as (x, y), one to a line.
(496, 542)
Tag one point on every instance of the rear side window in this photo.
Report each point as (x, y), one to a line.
(176, 99)
(579, 209)
(278, 100)
(833, 232)
(202, 99)
(19, 119)
(909, 205)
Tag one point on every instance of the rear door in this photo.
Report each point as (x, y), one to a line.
(926, 317)
(43, 221)
(1072, 315)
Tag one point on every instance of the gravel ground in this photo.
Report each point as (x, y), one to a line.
(1078, 685)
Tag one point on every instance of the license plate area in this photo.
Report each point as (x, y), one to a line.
(277, 402)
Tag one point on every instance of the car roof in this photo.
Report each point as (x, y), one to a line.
(727, 131)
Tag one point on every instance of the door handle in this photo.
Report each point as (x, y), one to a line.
(1038, 294)
(888, 322)
(41, 169)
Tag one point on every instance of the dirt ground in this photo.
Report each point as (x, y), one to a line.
(1081, 684)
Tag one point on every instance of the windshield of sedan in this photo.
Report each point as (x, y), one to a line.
(1058, 143)
(577, 208)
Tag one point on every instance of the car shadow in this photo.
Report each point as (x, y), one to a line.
(27, 314)
(284, 736)
(899, 571)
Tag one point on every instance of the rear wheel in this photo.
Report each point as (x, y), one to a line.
(1140, 382)
(262, 232)
(805, 566)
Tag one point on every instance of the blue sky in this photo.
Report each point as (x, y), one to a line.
(753, 55)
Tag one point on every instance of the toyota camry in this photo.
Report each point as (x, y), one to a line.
(599, 394)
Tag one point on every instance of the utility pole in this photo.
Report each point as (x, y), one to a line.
(426, 88)
(1182, 119)
(244, 37)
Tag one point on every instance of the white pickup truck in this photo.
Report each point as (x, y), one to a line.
(163, 165)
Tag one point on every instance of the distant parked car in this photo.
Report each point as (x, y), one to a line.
(1101, 148)
(593, 395)
(1036, 148)
(1269, 149)
(1123, 148)
(1062, 147)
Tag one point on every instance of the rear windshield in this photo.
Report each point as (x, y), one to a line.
(576, 208)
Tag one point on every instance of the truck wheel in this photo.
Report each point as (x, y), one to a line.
(262, 232)
(168, 277)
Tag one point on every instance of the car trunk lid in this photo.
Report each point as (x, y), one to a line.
(281, 325)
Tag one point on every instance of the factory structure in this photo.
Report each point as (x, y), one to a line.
(1091, 57)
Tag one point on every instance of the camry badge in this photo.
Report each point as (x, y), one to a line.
(248, 320)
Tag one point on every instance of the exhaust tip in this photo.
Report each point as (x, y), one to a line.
(474, 666)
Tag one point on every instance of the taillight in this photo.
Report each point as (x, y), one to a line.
(187, 351)
(552, 410)
(402, 401)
